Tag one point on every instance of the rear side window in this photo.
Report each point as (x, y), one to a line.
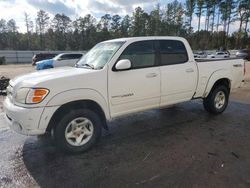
(172, 52)
(141, 54)
(75, 56)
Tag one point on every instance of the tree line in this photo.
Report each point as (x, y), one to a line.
(172, 19)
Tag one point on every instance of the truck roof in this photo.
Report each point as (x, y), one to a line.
(145, 38)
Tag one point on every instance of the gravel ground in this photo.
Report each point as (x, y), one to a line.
(14, 70)
(11, 71)
(178, 147)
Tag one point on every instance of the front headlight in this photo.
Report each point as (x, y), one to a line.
(31, 95)
(21, 95)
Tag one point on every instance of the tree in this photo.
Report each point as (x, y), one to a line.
(190, 7)
(231, 13)
(246, 4)
(61, 33)
(199, 11)
(154, 22)
(42, 22)
(87, 29)
(11, 26)
(227, 14)
(116, 26)
(139, 22)
(215, 6)
(105, 21)
(209, 11)
(3, 34)
(61, 24)
(3, 26)
(29, 27)
(173, 19)
(125, 26)
(12, 30)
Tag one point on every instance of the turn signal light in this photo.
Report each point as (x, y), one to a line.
(40, 92)
(36, 95)
(37, 99)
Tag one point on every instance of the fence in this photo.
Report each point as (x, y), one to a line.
(16, 57)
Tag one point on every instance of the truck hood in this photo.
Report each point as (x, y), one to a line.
(35, 78)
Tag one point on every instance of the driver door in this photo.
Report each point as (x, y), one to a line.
(138, 88)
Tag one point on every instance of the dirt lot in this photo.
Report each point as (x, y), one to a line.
(11, 71)
(178, 147)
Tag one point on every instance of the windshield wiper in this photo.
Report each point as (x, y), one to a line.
(86, 65)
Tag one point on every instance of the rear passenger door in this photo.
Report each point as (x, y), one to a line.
(178, 74)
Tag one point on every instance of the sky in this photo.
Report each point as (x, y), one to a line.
(74, 8)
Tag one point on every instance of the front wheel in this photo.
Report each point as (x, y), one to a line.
(217, 100)
(78, 130)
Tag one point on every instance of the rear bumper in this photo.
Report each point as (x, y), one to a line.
(23, 120)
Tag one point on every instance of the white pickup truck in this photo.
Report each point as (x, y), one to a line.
(115, 78)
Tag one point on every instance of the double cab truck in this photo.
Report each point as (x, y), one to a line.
(116, 78)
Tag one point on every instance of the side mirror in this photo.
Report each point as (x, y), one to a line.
(123, 64)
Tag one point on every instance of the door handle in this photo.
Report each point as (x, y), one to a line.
(189, 70)
(151, 75)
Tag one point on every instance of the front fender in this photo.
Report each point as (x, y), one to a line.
(80, 94)
(70, 96)
(215, 76)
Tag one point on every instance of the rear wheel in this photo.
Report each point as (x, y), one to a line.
(78, 130)
(217, 100)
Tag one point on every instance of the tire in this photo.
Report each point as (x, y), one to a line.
(213, 103)
(67, 131)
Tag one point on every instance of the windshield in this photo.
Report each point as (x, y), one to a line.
(99, 55)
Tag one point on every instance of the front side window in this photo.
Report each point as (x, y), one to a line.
(66, 56)
(141, 54)
(172, 52)
(61, 57)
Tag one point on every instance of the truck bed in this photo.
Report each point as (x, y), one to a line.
(200, 60)
(208, 69)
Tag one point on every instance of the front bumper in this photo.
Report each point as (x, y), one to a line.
(23, 120)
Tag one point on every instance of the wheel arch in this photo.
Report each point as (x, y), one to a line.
(217, 79)
(222, 81)
(78, 104)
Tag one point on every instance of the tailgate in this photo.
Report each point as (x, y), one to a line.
(238, 72)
